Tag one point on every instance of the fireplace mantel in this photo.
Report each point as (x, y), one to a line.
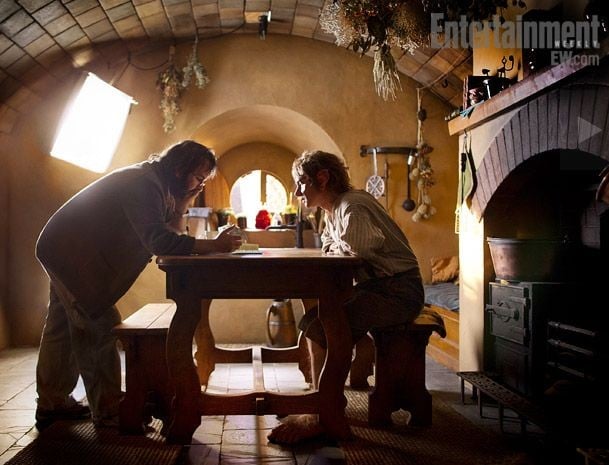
(521, 92)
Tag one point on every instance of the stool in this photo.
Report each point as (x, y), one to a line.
(399, 359)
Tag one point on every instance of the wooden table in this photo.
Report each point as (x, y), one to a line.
(275, 273)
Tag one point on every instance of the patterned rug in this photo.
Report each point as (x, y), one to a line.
(80, 443)
(451, 440)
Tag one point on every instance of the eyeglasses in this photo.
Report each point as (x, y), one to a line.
(200, 180)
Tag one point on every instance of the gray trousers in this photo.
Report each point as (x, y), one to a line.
(74, 344)
(376, 303)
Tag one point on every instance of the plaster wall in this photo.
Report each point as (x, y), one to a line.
(328, 91)
(474, 260)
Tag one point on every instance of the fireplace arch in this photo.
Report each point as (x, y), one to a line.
(573, 117)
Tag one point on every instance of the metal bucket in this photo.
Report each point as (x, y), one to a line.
(527, 259)
(281, 327)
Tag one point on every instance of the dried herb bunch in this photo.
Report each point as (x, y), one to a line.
(383, 25)
(422, 173)
(169, 82)
(172, 81)
(195, 67)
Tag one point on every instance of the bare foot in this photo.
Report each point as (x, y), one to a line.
(296, 428)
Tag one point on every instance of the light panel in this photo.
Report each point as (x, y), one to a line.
(92, 126)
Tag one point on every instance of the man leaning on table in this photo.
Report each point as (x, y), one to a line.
(388, 289)
(93, 249)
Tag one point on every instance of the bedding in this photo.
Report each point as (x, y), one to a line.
(445, 295)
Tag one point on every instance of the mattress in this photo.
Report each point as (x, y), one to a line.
(445, 295)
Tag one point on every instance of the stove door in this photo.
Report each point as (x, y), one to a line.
(508, 313)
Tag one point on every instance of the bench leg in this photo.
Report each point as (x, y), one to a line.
(400, 378)
(147, 392)
(131, 408)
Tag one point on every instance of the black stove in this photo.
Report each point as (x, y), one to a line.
(516, 331)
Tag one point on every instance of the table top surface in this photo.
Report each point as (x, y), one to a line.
(270, 255)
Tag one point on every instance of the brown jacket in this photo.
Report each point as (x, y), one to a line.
(101, 239)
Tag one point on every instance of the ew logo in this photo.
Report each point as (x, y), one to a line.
(577, 59)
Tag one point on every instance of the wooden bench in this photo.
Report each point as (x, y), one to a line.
(143, 335)
(147, 391)
(398, 354)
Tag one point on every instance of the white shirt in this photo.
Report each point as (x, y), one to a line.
(358, 225)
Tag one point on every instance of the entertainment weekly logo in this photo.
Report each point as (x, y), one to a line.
(565, 39)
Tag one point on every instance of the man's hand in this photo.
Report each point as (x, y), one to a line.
(227, 242)
(182, 203)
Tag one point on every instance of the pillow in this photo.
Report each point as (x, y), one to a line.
(444, 269)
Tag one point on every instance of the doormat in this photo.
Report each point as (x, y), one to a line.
(79, 443)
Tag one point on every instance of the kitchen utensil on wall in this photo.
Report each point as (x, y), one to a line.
(375, 185)
(382, 181)
(386, 178)
(408, 204)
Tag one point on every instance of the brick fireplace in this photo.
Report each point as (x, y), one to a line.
(538, 149)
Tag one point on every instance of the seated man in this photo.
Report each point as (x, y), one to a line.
(389, 288)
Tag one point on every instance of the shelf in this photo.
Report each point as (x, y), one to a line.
(522, 91)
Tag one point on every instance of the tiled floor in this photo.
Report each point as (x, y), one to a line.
(227, 440)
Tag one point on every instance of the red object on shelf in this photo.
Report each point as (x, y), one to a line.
(263, 219)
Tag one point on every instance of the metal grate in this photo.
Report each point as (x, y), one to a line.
(505, 397)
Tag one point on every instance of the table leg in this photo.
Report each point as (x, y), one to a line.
(336, 367)
(205, 344)
(183, 378)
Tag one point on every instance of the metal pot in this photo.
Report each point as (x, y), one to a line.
(527, 259)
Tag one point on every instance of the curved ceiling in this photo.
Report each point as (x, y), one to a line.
(37, 34)
(264, 123)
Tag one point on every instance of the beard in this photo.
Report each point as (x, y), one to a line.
(177, 186)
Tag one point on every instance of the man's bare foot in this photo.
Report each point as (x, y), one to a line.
(296, 428)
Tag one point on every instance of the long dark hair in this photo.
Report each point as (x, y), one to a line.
(312, 162)
(185, 157)
(180, 159)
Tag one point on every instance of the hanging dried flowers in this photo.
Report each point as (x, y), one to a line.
(422, 173)
(382, 24)
(172, 81)
(169, 82)
(387, 24)
(385, 72)
(195, 67)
